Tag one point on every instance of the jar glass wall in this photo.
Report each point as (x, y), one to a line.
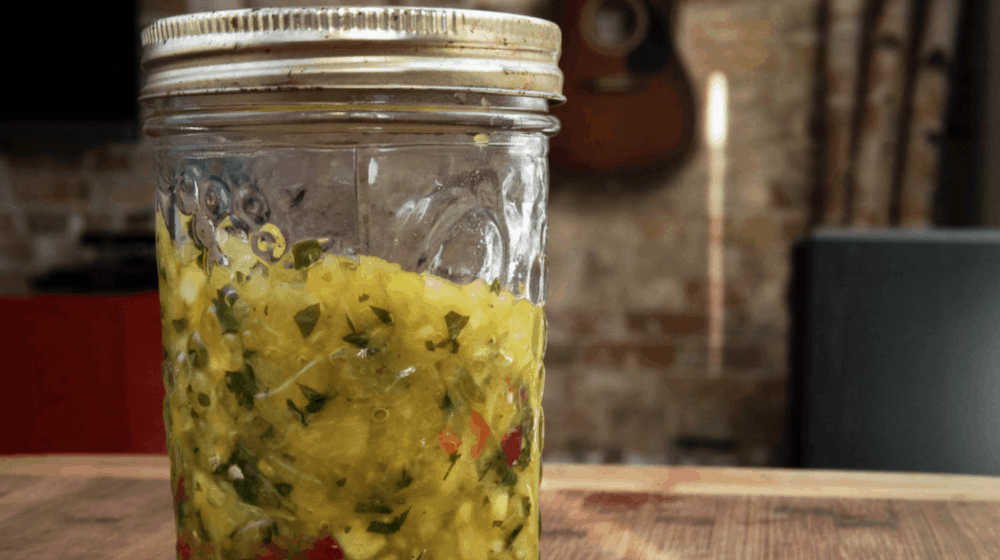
(351, 286)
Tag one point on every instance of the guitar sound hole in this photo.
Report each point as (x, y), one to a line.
(654, 52)
(614, 23)
(614, 27)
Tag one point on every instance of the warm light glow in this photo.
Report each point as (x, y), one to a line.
(718, 109)
(716, 130)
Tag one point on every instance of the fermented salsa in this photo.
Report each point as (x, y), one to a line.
(324, 407)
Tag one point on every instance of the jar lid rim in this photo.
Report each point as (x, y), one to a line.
(268, 49)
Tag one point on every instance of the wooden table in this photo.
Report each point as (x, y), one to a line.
(117, 507)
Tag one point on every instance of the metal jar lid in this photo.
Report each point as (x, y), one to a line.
(380, 48)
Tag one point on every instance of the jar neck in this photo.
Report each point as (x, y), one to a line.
(350, 111)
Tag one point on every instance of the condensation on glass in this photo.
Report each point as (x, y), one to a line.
(351, 231)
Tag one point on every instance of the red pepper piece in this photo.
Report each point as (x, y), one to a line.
(179, 496)
(449, 442)
(326, 549)
(481, 431)
(511, 445)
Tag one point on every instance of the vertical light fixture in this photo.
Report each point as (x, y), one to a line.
(716, 129)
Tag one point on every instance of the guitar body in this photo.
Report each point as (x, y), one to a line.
(629, 105)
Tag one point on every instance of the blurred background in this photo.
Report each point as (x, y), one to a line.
(674, 208)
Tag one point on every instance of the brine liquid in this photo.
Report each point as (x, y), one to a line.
(322, 407)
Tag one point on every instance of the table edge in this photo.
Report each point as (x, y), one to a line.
(611, 478)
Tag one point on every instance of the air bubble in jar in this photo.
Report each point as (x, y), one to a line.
(215, 198)
(252, 207)
(166, 180)
(203, 231)
(270, 241)
(187, 195)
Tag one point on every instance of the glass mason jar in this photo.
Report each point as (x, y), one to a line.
(350, 208)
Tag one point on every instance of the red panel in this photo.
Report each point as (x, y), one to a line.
(80, 374)
(143, 359)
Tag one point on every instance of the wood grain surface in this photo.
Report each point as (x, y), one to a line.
(588, 513)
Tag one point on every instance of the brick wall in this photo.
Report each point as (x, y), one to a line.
(626, 362)
(627, 357)
(47, 202)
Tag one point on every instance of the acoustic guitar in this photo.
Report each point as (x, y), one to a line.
(629, 104)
